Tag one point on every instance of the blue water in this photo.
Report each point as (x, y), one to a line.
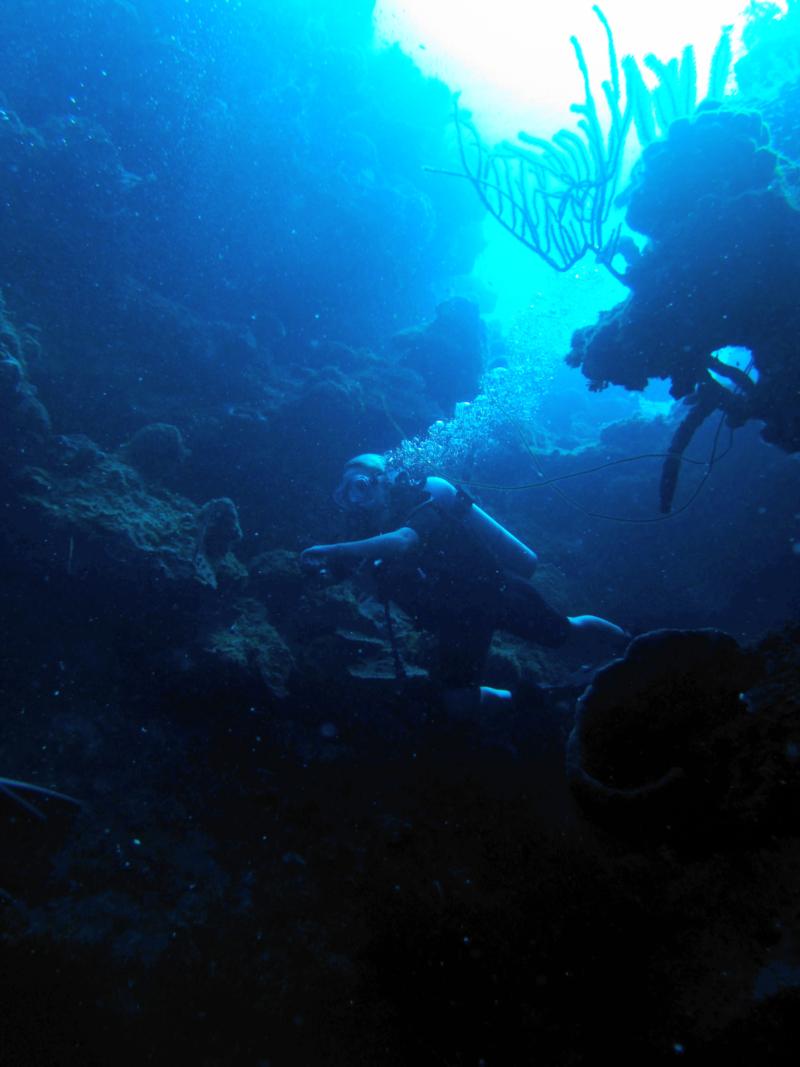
(237, 247)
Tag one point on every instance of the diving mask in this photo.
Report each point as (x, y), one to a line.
(358, 490)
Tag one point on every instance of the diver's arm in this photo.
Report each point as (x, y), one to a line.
(384, 546)
(594, 624)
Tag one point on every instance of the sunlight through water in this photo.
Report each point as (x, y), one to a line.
(513, 61)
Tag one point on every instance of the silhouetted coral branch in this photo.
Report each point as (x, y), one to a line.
(556, 195)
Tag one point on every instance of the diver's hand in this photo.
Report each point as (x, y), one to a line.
(594, 640)
(316, 559)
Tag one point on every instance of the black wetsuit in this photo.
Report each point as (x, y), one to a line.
(454, 586)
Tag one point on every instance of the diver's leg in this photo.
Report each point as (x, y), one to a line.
(593, 642)
(464, 642)
(596, 639)
(527, 614)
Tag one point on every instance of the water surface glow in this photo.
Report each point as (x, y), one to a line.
(513, 59)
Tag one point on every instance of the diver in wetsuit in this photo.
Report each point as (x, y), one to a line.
(452, 569)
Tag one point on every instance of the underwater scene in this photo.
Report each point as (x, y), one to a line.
(400, 540)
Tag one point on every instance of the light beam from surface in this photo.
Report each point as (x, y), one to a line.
(512, 59)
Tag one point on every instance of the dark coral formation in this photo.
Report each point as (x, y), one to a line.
(110, 518)
(24, 416)
(719, 271)
(24, 421)
(112, 523)
(156, 449)
(69, 171)
(449, 353)
(251, 646)
(677, 739)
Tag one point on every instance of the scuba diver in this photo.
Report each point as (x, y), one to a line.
(454, 570)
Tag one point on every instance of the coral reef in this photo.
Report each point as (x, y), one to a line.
(68, 171)
(770, 62)
(24, 420)
(448, 353)
(718, 272)
(251, 643)
(111, 522)
(155, 450)
(24, 417)
(218, 527)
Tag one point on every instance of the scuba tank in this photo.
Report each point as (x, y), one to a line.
(509, 551)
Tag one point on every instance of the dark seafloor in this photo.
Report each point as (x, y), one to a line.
(283, 857)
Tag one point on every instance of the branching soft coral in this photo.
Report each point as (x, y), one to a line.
(556, 195)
